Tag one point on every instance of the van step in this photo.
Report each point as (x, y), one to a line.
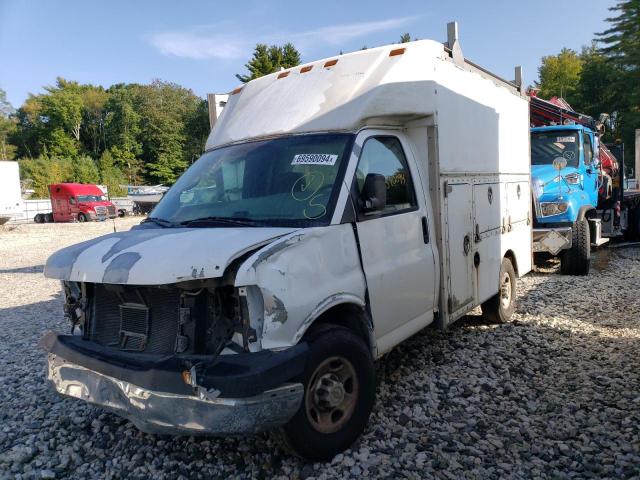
(600, 241)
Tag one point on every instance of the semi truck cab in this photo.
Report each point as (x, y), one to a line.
(565, 180)
(77, 202)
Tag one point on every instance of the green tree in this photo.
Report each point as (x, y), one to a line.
(267, 60)
(560, 75)
(43, 171)
(621, 45)
(165, 109)
(594, 94)
(7, 128)
(85, 170)
(110, 175)
(405, 38)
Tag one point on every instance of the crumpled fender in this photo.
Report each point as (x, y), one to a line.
(300, 276)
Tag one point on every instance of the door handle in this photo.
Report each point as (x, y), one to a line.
(425, 230)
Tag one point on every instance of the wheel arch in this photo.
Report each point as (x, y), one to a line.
(510, 254)
(586, 211)
(349, 315)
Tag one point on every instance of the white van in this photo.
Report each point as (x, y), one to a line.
(340, 207)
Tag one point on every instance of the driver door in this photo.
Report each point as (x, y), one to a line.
(397, 253)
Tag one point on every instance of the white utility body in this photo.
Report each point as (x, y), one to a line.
(11, 204)
(340, 207)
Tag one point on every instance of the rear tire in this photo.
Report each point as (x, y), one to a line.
(500, 307)
(339, 393)
(82, 217)
(39, 218)
(577, 259)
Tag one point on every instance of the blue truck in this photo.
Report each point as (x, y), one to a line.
(577, 204)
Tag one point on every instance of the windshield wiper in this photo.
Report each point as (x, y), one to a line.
(244, 222)
(160, 221)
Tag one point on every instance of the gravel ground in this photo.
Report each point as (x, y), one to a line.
(555, 394)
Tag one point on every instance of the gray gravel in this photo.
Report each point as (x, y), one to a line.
(555, 394)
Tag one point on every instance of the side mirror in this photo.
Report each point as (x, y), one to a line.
(374, 193)
(559, 163)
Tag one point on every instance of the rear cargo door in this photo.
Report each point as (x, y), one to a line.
(459, 244)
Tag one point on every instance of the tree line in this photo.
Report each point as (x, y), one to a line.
(603, 77)
(126, 134)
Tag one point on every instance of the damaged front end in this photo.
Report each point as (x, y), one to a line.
(180, 358)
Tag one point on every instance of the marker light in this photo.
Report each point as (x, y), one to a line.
(397, 51)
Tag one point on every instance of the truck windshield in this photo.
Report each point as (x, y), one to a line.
(90, 198)
(288, 181)
(548, 145)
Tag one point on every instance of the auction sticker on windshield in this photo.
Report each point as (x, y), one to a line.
(566, 139)
(314, 159)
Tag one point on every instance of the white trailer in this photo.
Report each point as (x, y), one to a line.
(10, 194)
(340, 207)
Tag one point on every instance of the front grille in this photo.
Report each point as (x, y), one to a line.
(100, 210)
(135, 319)
(111, 209)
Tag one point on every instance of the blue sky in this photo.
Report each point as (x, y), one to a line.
(201, 45)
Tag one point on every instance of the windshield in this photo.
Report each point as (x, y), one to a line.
(91, 198)
(546, 146)
(289, 181)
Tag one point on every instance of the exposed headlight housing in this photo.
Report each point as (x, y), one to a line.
(573, 178)
(553, 208)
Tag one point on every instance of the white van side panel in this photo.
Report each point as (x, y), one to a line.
(11, 203)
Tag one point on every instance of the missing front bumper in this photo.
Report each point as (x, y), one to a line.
(551, 240)
(170, 413)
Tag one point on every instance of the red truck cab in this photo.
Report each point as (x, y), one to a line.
(81, 202)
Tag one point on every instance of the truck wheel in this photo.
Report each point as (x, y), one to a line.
(82, 217)
(38, 218)
(577, 259)
(339, 393)
(48, 218)
(500, 307)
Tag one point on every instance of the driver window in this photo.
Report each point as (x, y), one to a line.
(384, 156)
(72, 200)
(588, 149)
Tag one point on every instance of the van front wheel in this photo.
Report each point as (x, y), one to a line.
(339, 392)
(500, 307)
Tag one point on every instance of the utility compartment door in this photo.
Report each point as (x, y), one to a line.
(518, 204)
(488, 206)
(459, 245)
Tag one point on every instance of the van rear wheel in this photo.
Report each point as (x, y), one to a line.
(500, 307)
(339, 393)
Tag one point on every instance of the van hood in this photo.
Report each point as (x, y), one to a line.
(157, 256)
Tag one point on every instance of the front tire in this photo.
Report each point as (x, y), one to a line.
(82, 217)
(339, 394)
(577, 259)
(500, 307)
